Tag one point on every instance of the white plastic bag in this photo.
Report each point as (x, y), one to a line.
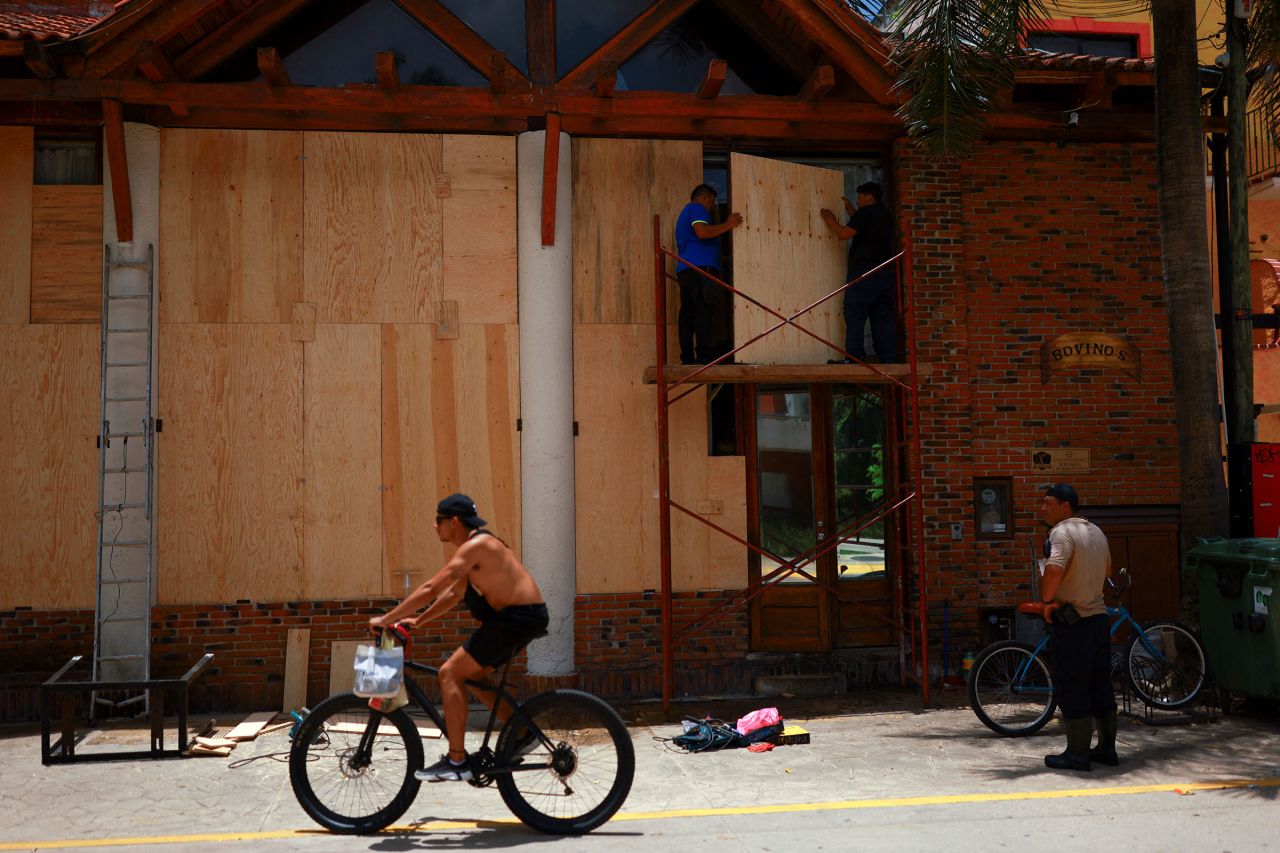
(378, 672)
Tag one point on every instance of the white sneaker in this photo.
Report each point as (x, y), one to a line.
(445, 770)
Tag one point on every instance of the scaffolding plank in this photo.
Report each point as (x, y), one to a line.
(230, 464)
(373, 227)
(618, 186)
(66, 254)
(231, 204)
(479, 227)
(785, 257)
(16, 169)
(49, 386)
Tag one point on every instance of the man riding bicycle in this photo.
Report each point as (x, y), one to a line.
(499, 591)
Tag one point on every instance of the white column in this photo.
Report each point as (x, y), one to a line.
(546, 399)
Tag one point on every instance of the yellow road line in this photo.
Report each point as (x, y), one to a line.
(885, 803)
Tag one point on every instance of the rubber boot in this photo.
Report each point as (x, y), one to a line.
(1079, 733)
(1105, 751)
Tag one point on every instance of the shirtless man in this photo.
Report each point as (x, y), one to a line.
(500, 593)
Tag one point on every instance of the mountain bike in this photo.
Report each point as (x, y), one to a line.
(1011, 687)
(563, 761)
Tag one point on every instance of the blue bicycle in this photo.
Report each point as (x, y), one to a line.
(1011, 688)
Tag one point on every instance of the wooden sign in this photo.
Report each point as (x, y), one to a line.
(1060, 460)
(1089, 349)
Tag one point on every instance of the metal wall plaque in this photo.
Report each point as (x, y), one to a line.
(1061, 460)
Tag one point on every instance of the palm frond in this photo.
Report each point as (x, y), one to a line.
(955, 57)
(1263, 62)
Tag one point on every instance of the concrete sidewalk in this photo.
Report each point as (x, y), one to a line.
(865, 747)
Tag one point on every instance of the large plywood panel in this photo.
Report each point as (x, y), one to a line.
(48, 420)
(618, 186)
(616, 474)
(230, 463)
(448, 425)
(785, 257)
(373, 227)
(231, 225)
(17, 167)
(66, 254)
(479, 210)
(343, 548)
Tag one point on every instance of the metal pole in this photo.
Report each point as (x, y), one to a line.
(664, 465)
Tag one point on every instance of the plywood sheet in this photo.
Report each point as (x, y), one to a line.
(448, 425)
(616, 474)
(66, 254)
(618, 186)
(342, 661)
(49, 377)
(297, 662)
(17, 167)
(343, 548)
(231, 225)
(479, 229)
(785, 257)
(230, 463)
(373, 227)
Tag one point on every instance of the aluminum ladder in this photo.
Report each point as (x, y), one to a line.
(126, 521)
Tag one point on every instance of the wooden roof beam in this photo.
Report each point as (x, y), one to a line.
(155, 66)
(42, 63)
(819, 83)
(763, 32)
(550, 178)
(388, 70)
(112, 48)
(498, 83)
(717, 73)
(459, 38)
(865, 67)
(271, 66)
(118, 163)
(252, 23)
(627, 41)
(606, 79)
(540, 40)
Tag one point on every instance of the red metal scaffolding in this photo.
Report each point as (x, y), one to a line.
(906, 498)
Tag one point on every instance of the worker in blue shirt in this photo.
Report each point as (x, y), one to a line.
(698, 245)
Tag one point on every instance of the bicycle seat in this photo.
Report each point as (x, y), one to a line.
(1038, 608)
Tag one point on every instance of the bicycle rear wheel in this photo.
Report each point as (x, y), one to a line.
(577, 782)
(1010, 689)
(1165, 665)
(350, 787)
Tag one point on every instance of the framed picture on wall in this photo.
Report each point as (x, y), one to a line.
(993, 507)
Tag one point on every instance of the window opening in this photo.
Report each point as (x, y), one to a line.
(582, 26)
(858, 445)
(784, 460)
(344, 53)
(1092, 44)
(67, 159)
(500, 23)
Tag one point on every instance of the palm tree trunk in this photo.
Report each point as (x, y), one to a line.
(1188, 291)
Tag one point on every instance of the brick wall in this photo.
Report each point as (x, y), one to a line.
(1011, 248)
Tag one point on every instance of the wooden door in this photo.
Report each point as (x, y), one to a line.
(1150, 553)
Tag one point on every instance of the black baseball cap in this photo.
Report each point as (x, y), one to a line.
(1064, 493)
(460, 506)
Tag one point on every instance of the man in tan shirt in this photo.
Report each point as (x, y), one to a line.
(1077, 565)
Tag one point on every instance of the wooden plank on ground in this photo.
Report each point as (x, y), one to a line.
(296, 665)
(231, 220)
(785, 257)
(49, 388)
(618, 185)
(342, 661)
(17, 152)
(343, 496)
(230, 463)
(373, 227)
(479, 227)
(384, 729)
(66, 254)
(251, 726)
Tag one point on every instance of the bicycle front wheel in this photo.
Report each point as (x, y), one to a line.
(1010, 689)
(352, 767)
(1165, 664)
(579, 777)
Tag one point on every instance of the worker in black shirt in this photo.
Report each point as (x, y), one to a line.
(870, 235)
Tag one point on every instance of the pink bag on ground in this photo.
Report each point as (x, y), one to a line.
(758, 720)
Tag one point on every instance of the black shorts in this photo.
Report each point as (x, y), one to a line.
(506, 632)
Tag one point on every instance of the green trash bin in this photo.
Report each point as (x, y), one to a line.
(1236, 578)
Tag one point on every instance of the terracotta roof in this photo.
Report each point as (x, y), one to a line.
(48, 21)
(1075, 62)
